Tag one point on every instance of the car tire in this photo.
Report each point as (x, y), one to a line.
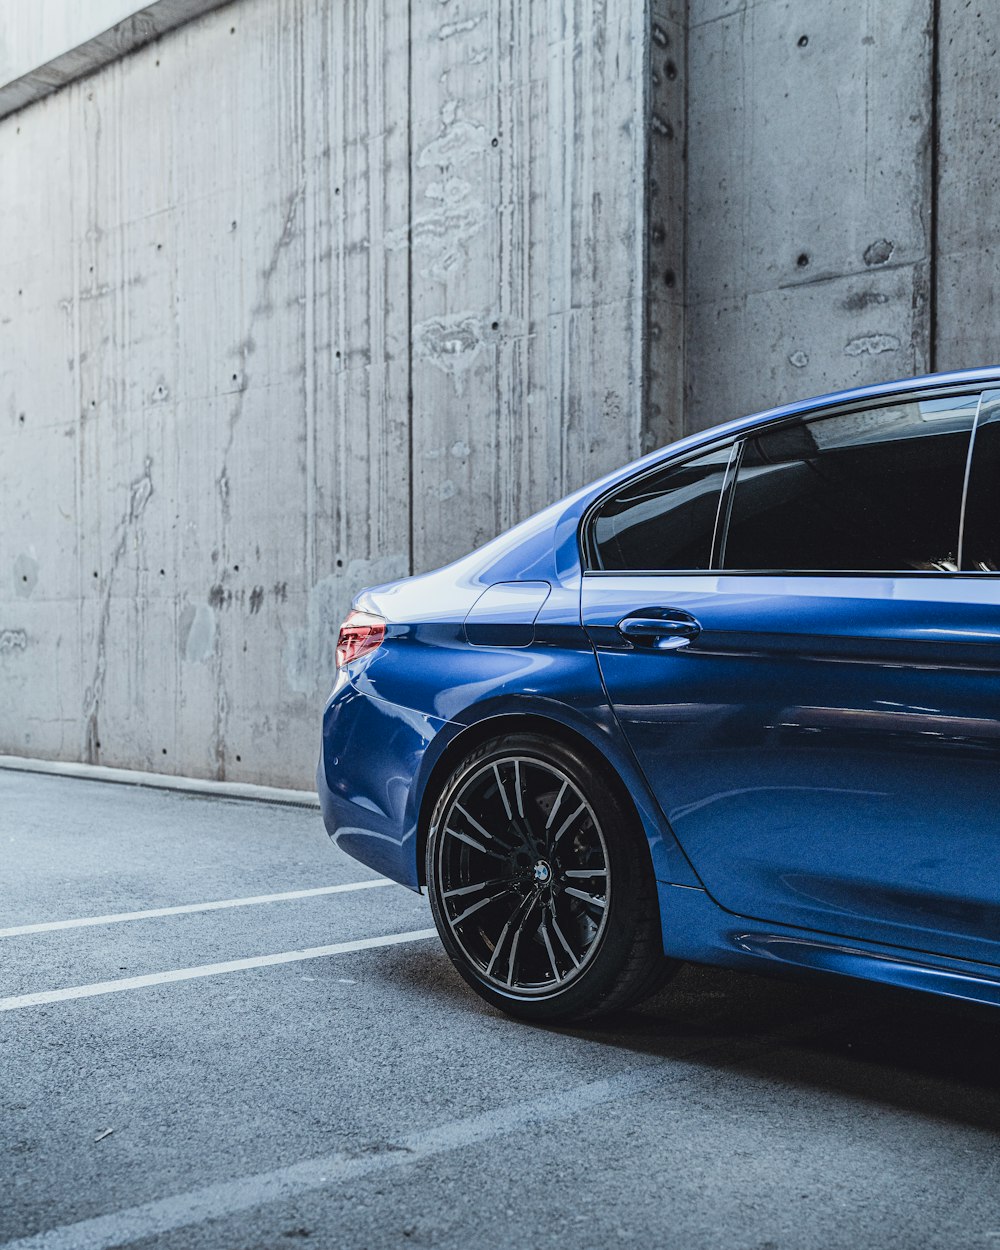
(541, 883)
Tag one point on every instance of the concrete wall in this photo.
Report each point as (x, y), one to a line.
(303, 296)
(32, 35)
(967, 206)
(308, 294)
(810, 199)
(46, 44)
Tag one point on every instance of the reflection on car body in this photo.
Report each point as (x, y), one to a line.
(734, 703)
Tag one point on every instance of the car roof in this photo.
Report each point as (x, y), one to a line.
(881, 390)
(545, 546)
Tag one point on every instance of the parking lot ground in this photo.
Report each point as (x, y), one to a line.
(364, 1097)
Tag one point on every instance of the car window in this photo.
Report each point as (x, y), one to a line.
(879, 490)
(981, 538)
(664, 520)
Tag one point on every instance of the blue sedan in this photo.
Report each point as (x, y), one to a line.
(736, 703)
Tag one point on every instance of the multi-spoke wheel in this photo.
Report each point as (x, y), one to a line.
(540, 883)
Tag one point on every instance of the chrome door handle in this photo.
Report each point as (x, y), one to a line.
(668, 632)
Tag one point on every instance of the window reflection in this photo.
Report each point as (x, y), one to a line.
(878, 490)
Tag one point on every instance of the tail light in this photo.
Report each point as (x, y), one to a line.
(360, 633)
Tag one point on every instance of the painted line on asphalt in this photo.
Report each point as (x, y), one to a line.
(209, 970)
(213, 1202)
(51, 926)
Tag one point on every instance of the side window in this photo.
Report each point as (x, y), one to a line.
(873, 491)
(665, 520)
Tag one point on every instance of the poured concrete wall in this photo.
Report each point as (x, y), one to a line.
(46, 44)
(967, 218)
(810, 202)
(526, 255)
(308, 294)
(303, 296)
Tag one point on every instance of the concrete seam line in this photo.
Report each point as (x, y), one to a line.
(209, 970)
(161, 781)
(183, 909)
(164, 1215)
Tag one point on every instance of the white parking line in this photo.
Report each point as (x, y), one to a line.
(51, 926)
(227, 1198)
(209, 970)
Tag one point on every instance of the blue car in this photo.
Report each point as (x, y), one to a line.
(737, 703)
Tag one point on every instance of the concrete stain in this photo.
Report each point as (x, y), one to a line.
(140, 493)
(872, 345)
(860, 300)
(457, 210)
(450, 343)
(879, 252)
(450, 29)
(197, 633)
(12, 640)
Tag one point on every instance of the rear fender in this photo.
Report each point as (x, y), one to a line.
(594, 729)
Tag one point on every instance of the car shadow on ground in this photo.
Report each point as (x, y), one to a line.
(916, 1052)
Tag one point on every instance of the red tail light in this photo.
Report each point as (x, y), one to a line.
(360, 633)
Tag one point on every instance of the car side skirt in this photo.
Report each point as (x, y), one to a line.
(696, 929)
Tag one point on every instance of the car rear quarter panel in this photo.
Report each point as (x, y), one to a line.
(433, 693)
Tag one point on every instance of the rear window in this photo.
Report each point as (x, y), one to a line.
(664, 521)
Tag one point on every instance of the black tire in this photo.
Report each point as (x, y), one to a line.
(567, 926)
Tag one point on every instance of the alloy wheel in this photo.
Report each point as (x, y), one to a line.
(523, 875)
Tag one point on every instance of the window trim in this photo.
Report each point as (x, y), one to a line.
(585, 539)
(994, 394)
(895, 574)
(726, 496)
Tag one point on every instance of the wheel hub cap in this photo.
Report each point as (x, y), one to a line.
(542, 873)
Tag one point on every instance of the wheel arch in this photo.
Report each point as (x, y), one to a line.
(506, 723)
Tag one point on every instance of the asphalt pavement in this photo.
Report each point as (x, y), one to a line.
(308, 1070)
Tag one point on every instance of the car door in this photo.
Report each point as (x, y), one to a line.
(810, 678)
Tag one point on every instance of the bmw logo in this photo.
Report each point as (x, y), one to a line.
(543, 872)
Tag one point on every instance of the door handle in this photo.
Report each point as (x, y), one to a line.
(660, 628)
